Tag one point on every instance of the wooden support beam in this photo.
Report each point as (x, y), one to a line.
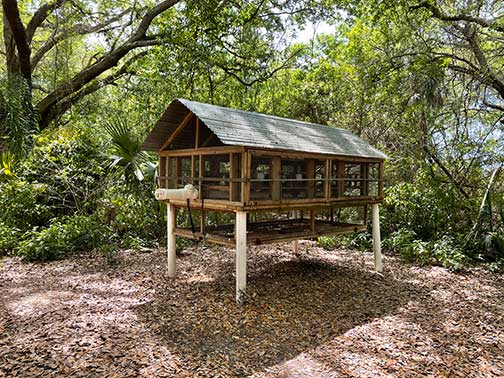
(168, 172)
(341, 178)
(276, 174)
(177, 131)
(197, 136)
(207, 141)
(202, 222)
(241, 256)
(327, 183)
(171, 220)
(176, 171)
(162, 175)
(376, 238)
(245, 188)
(235, 173)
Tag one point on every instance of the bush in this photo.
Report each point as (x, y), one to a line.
(23, 204)
(63, 236)
(444, 251)
(357, 240)
(424, 208)
(9, 237)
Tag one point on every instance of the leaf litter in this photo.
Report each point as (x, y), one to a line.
(316, 314)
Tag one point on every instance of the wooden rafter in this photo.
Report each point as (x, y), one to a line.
(177, 131)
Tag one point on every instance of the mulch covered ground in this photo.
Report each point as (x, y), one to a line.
(319, 314)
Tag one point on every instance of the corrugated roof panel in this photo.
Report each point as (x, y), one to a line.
(242, 128)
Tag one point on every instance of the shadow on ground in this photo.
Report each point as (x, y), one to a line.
(293, 306)
(321, 314)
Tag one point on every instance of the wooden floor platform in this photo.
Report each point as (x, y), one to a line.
(273, 231)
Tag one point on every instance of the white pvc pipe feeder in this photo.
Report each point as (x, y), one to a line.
(189, 192)
(376, 238)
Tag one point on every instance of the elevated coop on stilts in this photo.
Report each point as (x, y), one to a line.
(216, 159)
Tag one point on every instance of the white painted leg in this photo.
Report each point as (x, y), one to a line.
(295, 246)
(171, 242)
(376, 237)
(241, 256)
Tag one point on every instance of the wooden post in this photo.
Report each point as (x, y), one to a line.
(376, 237)
(171, 219)
(327, 182)
(241, 256)
(162, 180)
(245, 187)
(341, 178)
(234, 173)
(196, 138)
(193, 168)
(295, 246)
(202, 222)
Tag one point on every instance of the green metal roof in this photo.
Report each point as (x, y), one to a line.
(241, 128)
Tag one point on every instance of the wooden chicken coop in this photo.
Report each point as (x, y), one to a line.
(250, 164)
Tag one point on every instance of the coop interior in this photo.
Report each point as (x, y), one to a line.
(337, 191)
(266, 178)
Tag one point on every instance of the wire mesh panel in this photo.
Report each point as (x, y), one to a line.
(293, 174)
(216, 169)
(335, 184)
(162, 174)
(319, 178)
(185, 171)
(373, 176)
(261, 178)
(353, 179)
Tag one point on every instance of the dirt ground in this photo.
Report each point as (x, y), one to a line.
(318, 314)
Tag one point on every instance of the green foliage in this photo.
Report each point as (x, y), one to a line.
(444, 251)
(424, 207)
(127, 161)
(69, 166)
(359, 240)
(17, 118)
(109, 250)
(63, 236)
(9, 237)
(61, 201)
(23, 204)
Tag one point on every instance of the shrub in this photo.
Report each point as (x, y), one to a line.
(425, 208)
(23, 204)
(357, 240)
(9, 237)
(444, 251)
(62, 237)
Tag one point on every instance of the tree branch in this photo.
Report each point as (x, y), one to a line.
(107, 62)
(11, 13)
(438, 13)
(95, 85)
(80, 29)
(40, 16)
